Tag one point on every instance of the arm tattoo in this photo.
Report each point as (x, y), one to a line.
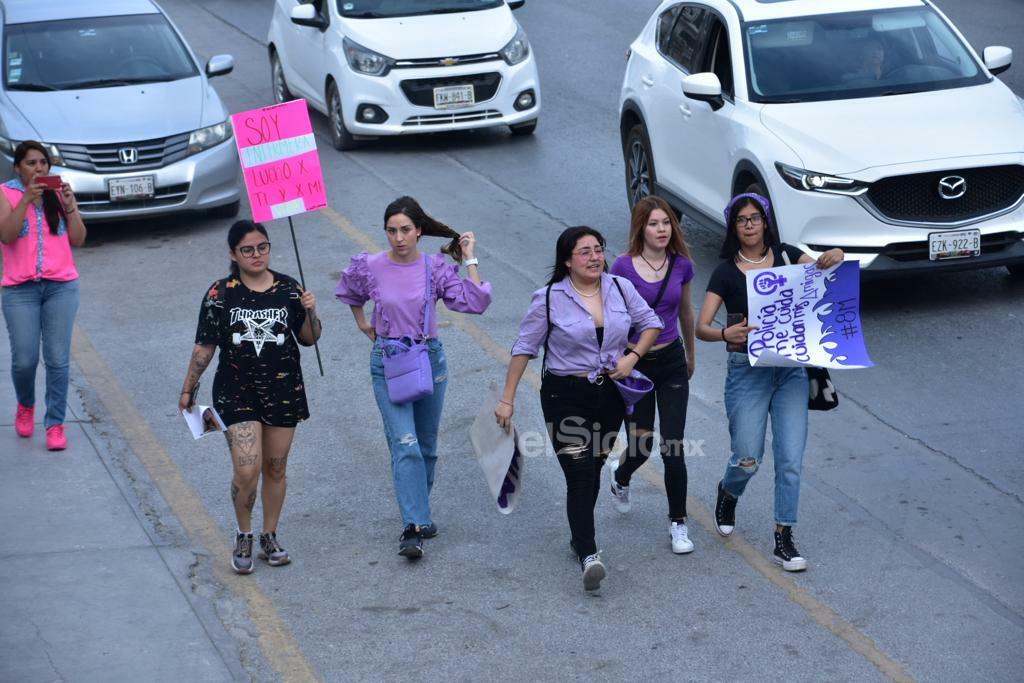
(201, 357)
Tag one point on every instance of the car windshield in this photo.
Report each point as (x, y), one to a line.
(377, 9)
(94, 53)
(857, 54)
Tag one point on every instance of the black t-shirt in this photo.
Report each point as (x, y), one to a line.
(730, 283)
(255, 330)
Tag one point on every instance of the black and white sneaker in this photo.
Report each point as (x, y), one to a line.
(410, 544)
(725, 512)
(593, 572)
(428, 531)
(786, 553)
(241, 556)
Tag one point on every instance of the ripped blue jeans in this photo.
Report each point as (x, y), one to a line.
(751, 395)
(411, 430)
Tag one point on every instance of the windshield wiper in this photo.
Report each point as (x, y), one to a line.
(364, 15)
(114, 82)
(31, 87)
(447, 10)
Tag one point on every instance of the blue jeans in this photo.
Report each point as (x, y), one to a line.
(411, 430)
(751, 395)
(34, 311)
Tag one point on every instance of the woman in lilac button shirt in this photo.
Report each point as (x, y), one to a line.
(395, 280)
(581, 319)
(658, 264)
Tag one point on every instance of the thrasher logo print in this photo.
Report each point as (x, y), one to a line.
(259, 326)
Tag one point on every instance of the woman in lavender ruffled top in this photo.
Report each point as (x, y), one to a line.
(395, 281)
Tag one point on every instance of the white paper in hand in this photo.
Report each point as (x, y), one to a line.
(498, 453)
(203, 420)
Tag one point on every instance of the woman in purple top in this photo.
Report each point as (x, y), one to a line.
(658, 264)
(581, 319)
(395, 280)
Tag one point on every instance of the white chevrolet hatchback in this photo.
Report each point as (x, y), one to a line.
(395, 67)
(871, 124)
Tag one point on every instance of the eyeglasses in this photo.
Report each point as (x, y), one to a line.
(588, 252)
(262, 248)
(756, 220)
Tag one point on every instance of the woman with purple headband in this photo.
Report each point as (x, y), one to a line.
(754, 393)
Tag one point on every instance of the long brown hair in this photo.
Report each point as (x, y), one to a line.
(642, 211)
(411, 209)
(52, 208)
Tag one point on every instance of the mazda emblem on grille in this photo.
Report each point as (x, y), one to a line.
(952, 187)
(128, 155)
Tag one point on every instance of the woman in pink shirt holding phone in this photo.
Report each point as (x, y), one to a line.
(39, 223)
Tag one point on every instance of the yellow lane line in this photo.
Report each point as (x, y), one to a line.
(273, 636)
(818, 611)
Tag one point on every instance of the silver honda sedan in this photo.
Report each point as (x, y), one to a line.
(113, 91)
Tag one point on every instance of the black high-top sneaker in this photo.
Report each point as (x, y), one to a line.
(786, 553)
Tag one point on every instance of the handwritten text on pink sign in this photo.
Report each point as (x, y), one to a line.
(279, 160)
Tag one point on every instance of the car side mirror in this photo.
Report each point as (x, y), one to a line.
(306, 15)
(997, 59)
(516, 4)
(220, 65)
(704, 87)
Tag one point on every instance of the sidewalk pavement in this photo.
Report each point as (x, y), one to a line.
(92, 588)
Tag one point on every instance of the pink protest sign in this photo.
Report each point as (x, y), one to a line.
(279, 161)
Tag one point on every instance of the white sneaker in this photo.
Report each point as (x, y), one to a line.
(593, 572)
(681, 543)
(620, 497)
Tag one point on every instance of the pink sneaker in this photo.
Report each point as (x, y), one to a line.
(55, 439)
(25, 421)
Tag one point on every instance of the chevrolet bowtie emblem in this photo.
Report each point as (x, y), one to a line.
(450, 61)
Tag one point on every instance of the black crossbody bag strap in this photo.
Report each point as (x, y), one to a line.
(664, 283)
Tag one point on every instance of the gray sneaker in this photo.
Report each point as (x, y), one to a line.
(241, 556)
(271, 550)
(593, 572)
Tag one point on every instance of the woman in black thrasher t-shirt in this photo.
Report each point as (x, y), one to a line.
(255, 316)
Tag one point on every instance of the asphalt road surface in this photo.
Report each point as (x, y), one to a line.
(912, 499)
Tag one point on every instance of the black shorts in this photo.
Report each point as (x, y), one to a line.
(280, 402)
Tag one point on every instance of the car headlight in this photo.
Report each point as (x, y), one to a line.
(517, 49)
(8, 145)
(366, 61)
(809, 181)
(208, 137)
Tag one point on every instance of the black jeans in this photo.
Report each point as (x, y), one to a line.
(582, 420)
(667, 369)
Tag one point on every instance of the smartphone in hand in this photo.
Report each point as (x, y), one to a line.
(50, 182)
(730, 320)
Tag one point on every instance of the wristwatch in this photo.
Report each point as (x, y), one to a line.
(471, 262)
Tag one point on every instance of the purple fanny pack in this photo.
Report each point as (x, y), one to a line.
(407, 368)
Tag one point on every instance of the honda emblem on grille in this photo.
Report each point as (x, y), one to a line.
(450, 61)
(952, 187)
(128, 155)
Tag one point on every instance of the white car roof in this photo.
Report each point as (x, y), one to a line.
(28, 11)
(764, 10)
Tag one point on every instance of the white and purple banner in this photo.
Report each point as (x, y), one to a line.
(806, 316)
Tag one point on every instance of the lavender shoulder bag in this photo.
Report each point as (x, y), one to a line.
(407, 361)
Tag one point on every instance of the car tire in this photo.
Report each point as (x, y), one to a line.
(636, 152)
(524, 128)
(1016, 271)
(227, 210)
(340, 137)
(278, 84)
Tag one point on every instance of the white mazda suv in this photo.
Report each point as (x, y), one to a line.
(396, 67)
(872, 126)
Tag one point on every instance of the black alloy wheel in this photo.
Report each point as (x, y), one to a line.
(525, 128)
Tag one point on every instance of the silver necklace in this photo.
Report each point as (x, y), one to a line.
(594, 293)
(760, 260)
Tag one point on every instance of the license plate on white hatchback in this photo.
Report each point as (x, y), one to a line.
(127, 189)
(452, 96)
(954, 244)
